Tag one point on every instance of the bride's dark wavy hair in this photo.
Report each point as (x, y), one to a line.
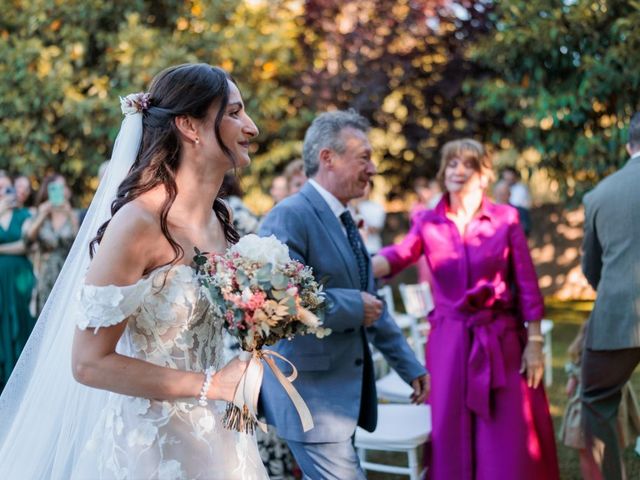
(188, 89)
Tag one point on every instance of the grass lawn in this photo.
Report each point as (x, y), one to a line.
(567, 317)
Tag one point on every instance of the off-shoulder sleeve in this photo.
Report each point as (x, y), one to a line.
(109, 305)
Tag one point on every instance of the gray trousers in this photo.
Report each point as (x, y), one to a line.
(327, 461)
(604, 373)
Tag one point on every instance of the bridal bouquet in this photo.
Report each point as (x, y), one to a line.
(263, 296)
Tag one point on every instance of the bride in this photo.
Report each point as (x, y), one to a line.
(146, 352)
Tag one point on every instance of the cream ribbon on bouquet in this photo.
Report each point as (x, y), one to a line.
(248, 390)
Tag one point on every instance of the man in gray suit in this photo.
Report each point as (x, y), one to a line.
(336, 377)
(611, 263)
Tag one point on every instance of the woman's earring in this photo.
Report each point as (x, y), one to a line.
(197, 141)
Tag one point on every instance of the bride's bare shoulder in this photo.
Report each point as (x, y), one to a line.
(139, 216)
(129, 246)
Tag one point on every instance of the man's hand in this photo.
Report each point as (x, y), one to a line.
(421, 388)
(372, 308)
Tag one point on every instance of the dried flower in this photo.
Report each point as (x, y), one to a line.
(135, 103)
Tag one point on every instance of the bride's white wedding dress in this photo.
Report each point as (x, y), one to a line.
(169, 323)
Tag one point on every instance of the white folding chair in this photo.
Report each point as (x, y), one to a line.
(418, 302)
(403, 320)
(401, 428)
(392, 389)
(417, 298)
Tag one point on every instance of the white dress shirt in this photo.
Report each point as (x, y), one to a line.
(336, 206)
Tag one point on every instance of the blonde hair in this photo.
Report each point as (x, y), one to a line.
(465, 149)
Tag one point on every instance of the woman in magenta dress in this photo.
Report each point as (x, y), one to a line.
(490, 415)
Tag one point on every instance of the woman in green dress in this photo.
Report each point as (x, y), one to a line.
(16, 281)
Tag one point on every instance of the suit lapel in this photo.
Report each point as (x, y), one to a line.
(331, 223)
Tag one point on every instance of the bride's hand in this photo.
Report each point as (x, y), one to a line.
(224, 381)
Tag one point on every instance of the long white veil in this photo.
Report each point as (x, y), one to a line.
(46, 417)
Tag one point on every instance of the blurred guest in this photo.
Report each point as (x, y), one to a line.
(16, 280)
(428, 192)
(52, 232)
(22, 184)
(279, 189)
(294, 173)
(610, 262)
(489, 421)
(373, 216)
(244, 220)
(520, 196)
(571, 431)
(502, 196)
(101, 171)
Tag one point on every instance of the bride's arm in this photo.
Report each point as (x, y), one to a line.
(130, 246)
(96, 364)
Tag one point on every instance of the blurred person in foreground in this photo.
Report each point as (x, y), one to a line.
(490, 416)
(16, 280)
(335, 373)
(51, 232)
(611, 264)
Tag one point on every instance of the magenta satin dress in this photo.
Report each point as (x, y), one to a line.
(487, 424)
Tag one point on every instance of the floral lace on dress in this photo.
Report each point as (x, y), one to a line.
(169, 323)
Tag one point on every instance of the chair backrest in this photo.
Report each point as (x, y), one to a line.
(387, 294)
(417, 299)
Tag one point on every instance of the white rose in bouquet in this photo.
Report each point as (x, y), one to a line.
(262, 250)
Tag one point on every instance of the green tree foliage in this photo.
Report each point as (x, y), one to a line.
(402, 64)
(565, 82)
(64, 64)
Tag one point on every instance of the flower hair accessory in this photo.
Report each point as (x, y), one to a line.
(135, 103)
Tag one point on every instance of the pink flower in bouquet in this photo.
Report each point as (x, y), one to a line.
(263, 296)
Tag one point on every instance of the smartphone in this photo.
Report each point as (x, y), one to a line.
(56, 194)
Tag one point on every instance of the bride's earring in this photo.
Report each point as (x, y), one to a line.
(197, 141)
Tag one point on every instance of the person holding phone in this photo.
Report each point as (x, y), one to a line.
(52, 233)
(16, 281)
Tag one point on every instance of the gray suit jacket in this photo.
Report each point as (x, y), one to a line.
(611, 259)
(335, 374)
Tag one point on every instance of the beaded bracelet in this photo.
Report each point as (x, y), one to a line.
(208, 373)
(536, 338)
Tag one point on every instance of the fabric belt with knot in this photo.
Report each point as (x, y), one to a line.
(485, 361)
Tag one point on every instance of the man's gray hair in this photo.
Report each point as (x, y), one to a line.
(324, 132)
